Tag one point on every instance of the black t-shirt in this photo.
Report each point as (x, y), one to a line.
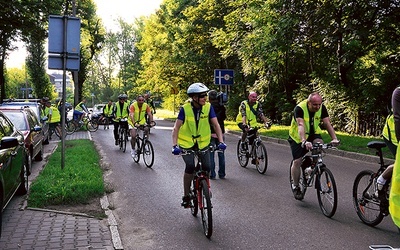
(220, 112)
(298, 113)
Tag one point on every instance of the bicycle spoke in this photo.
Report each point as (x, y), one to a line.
(327, 192)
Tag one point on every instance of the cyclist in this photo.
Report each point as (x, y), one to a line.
(249, 111)
(394, 198)
(54, 118)
(121, 110)
(79, 110)
(192, 131)
(137, 113)
(107, 112)
(149, 102)
(45, 110)
(304, 131)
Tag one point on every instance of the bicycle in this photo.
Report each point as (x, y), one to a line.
(54, 130)
(87, 123)
(258, 152)
(313, 167)
(369, 207)
(200, 192)
(123, 134)
(143, 145)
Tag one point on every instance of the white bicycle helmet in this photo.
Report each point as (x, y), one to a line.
(197, 88)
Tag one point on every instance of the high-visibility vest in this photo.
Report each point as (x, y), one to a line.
(108, 110)
(250, 116)
(188, 133)
(55, 115)
(121, 114)
(139, 113)
(388, 130)
(394, 197)
(293, 130)
(78, 107)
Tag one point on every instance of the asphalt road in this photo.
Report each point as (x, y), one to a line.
(250, 210)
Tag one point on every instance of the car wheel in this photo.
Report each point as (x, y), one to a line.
(29, 163)
(39, 156)
(23, 187)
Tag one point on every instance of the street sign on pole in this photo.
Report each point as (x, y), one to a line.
(223, 76)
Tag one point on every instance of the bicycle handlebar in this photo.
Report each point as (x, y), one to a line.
(141, 126)
(198, 151)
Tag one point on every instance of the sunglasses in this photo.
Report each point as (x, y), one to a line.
(202, 96)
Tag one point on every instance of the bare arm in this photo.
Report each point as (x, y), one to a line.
(301, 129)
(331, 131)
(217, 129)
(175, 130)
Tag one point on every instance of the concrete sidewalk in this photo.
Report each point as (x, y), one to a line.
(25, 228)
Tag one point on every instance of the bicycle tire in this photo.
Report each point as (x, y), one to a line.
(326, 192)
(367, 206)
(57, 134)
(194, 204)
(70, 127)
(124, 140)
(243, 157)
(302, 180)
(206, 209)
(148, 154)
(262, 158)
(92, 125)
(136, 158)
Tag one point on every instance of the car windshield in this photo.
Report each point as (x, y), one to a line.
(98, 107)
(18, 119)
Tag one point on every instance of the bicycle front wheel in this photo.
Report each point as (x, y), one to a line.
(148, 154)
(327, 192)
(261, 161)
(92, 125)
(366, 203)
(206, 209)
(70, 127)
(136, 158)
(242, 155)
(194, 204)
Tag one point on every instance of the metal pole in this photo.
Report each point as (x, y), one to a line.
(63, 93)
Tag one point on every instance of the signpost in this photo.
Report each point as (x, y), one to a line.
(223, 76)
(64, 54)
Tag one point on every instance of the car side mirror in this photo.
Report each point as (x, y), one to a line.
(8, 142)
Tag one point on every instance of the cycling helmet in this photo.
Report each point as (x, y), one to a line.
(197, 88)
(124, 96)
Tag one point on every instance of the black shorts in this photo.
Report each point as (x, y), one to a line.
(297, 150)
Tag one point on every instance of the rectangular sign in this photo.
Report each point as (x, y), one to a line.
(223, 76)
(56, 34)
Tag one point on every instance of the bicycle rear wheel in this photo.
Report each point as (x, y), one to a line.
(242, 155)
(261, 161)
(58, 134)
(70, 127)
(366, 203)
(136, 158)
(148, 154)
(194, 204)
(92, 126)
(326, 192)
(206, 209)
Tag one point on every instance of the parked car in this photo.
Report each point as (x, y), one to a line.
(27, 123)
(36, 107)
(97, 109)
(13, 171)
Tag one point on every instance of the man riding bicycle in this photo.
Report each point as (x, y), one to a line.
(304, 131)
(79, 110)
(121, 110)
(249, 110)
(107, 112)
(192, 131)
(137, 113)
(54, 118)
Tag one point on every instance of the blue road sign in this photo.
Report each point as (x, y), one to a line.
(223, 76)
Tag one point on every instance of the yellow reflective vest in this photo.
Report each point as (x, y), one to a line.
(188, 133)
(388, 130)
(250, 116)
(294, 128)
(139, 113)
(121, 113)
(108, 109)
(394, 197)
(55, 115)
(78, 107)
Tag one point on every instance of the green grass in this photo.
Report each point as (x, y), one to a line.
(80, 180)
(351, 143)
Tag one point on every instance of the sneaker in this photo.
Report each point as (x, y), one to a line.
(298, 195)
(222, 176)
(133, 153)
(185, 201)
(379, 188)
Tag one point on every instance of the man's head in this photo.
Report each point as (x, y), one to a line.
(48, 103)
(252, 97)
(146, 96)
(213, 95)
(314, 102)
(121, 98)
(140, 100)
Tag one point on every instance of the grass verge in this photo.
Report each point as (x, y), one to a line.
(79, 181)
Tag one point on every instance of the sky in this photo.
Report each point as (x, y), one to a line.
(109, 11)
